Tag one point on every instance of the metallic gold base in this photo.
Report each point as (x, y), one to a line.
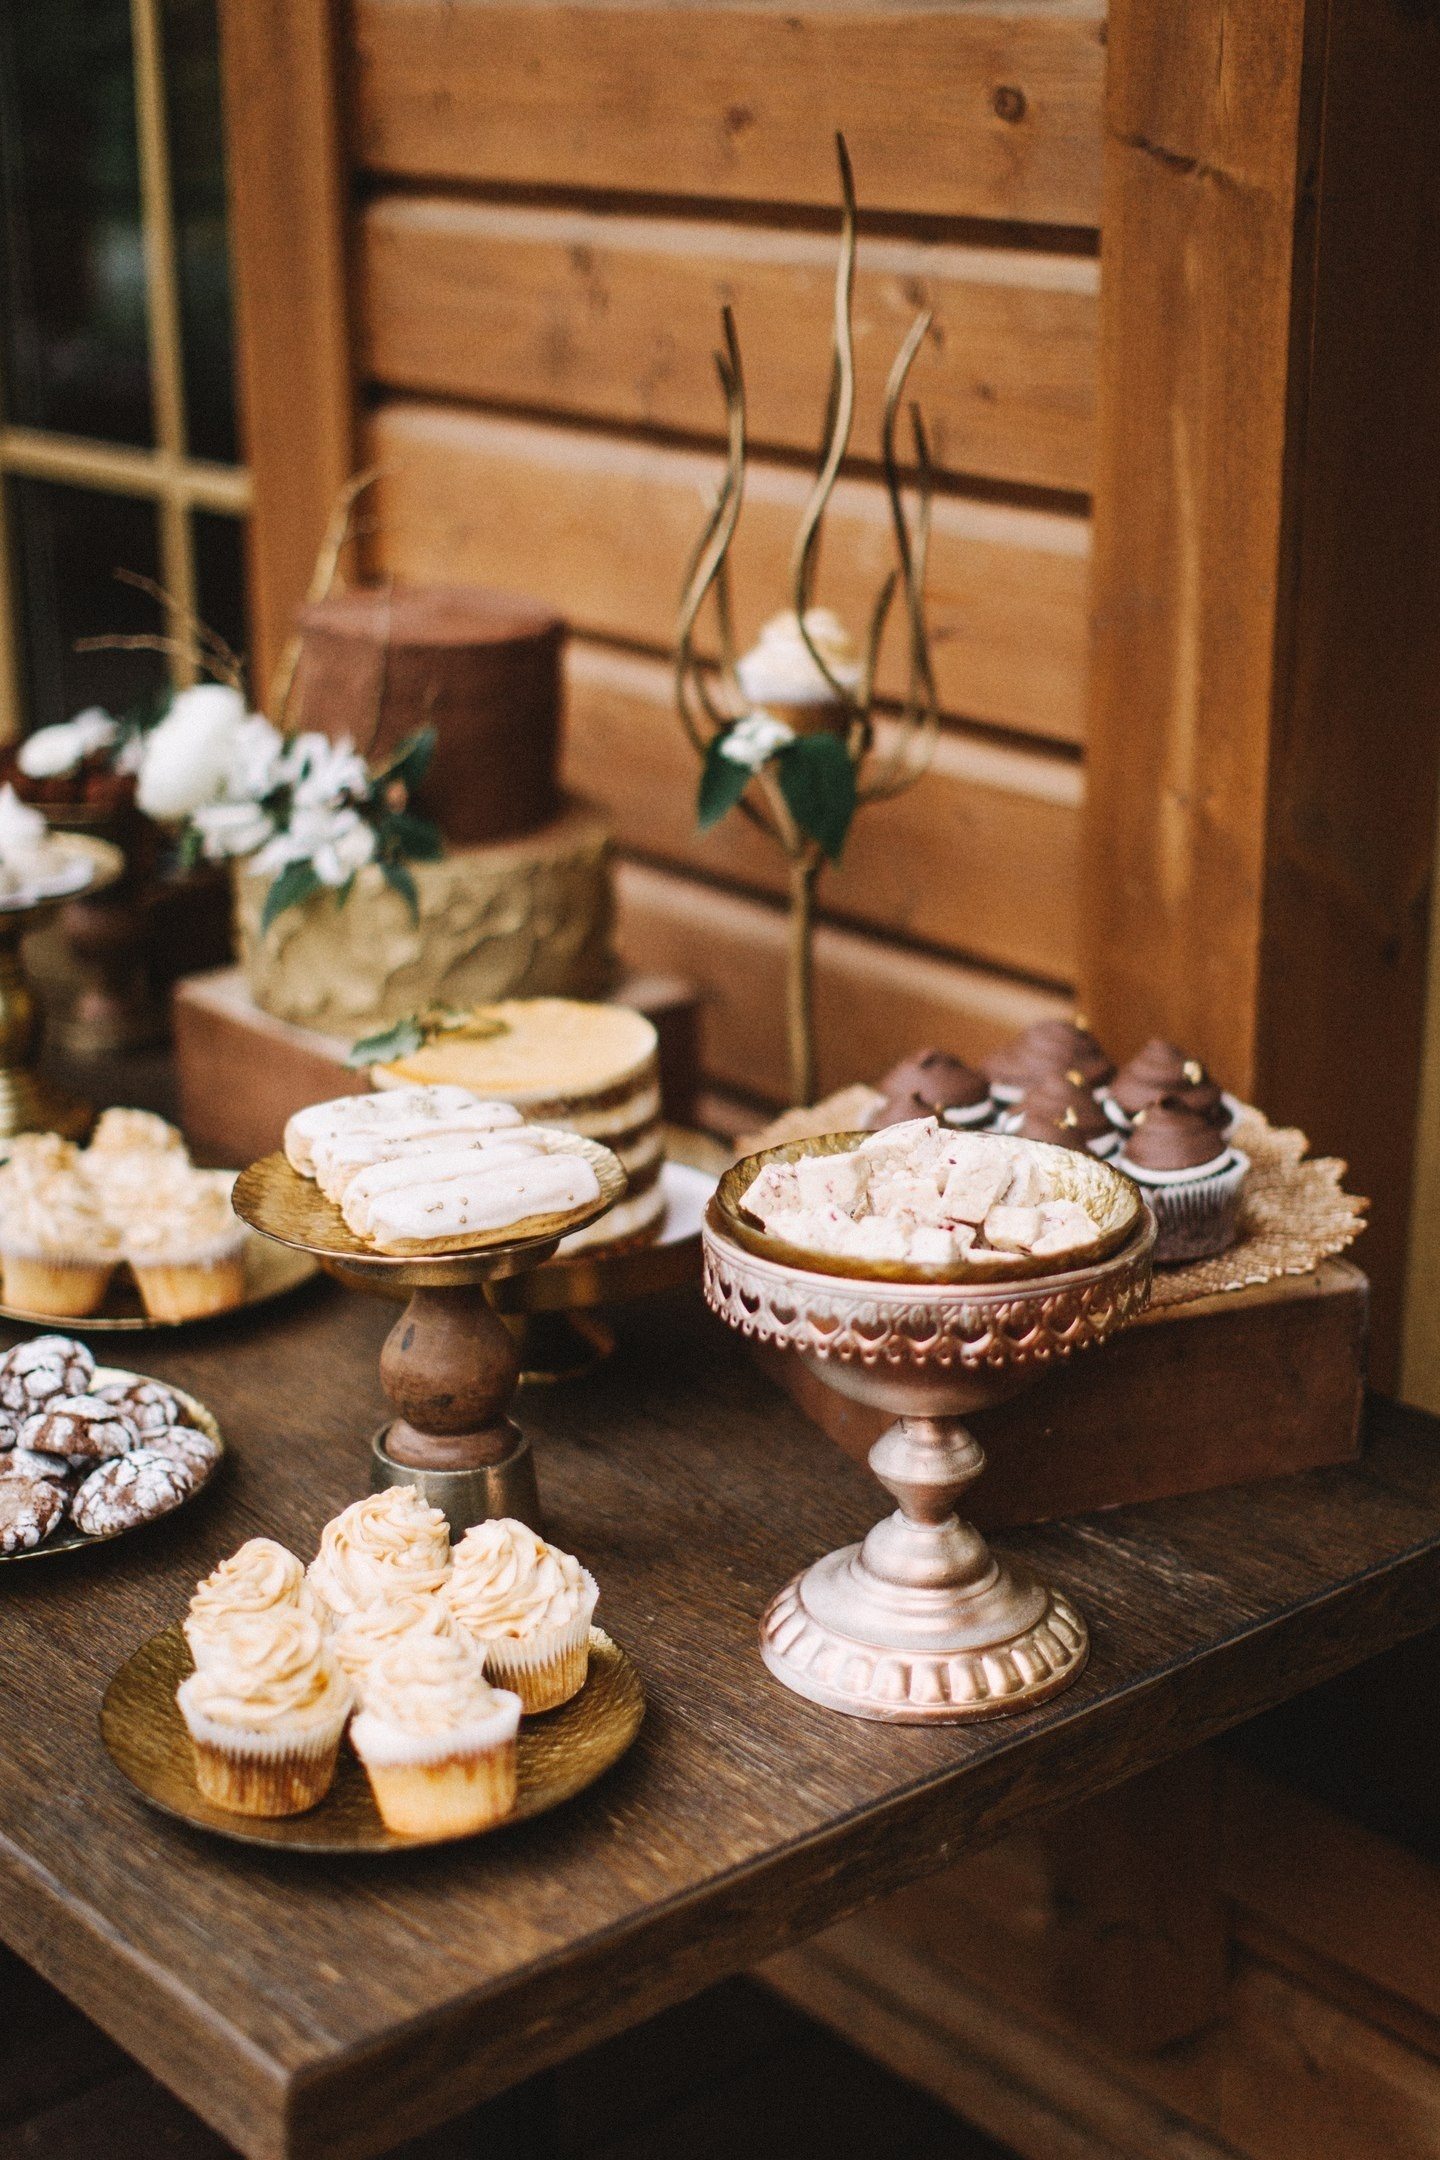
(467, 1496)
(864, 1671)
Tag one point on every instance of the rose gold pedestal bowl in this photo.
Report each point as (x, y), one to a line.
(922, 1623)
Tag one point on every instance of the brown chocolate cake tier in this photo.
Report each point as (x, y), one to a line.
(481, 667)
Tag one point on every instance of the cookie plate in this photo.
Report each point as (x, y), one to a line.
(560, 1754)
(68, 1538)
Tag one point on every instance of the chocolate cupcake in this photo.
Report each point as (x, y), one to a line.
(1191, 1177)
(933, 1084)
(1048, 1048)
(1162, 1071)
(1059, 1109)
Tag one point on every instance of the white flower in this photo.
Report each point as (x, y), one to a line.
(781, 669)
(51, 751)
(325, 772)
(256, 761)
(335, 843)
(186, 759)
(231, 828)
(755, 738)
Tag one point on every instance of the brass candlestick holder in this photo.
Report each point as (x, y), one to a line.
(449, 1366)
(28, 1101)
(922, 1623)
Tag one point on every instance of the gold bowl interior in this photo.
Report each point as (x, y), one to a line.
(1110, 1198)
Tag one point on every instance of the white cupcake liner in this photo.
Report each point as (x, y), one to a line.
(1196, 1210)
(969, 1120)
(1104, 1146)
(522, 1662)
(304, 1742)
(377, 1741)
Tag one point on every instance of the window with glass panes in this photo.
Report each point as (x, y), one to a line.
(117, 421)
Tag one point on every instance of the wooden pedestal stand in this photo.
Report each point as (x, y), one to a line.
(449, 1366)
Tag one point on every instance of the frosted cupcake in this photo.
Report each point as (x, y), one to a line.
(133, 1157)
(260, 1577)
(365, 1635)
(779, 675)
(187, 1248)
(527, 1607)
(57, 1249)
(391, 1544)
(437, 1741)
(265, 1713)
(1191, 1178)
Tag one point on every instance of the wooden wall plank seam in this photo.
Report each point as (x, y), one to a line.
(615, 317)
(985, 112)
(601, 526)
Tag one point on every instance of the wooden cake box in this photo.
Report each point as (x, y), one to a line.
(1240, 1385)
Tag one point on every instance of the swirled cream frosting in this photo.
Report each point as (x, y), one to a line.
(508, 1581)
(427, 1684)
(56, 1214)
(366, 1634)
(190, 1218)
(391, 1543)
(271, 1670)
(129, 1132)
(260, 1577)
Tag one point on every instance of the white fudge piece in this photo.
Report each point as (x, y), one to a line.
(485, 1200)
(812, 1229)
(1065, 1228)
(911, 1195)
(352, 1112)
(901, 1139)
(930, 1246)
(430, 1166)
(1027, 1186)
(973, 1188)
(832, 1180)
(874, 1237)
(336, 1157)
(1013, 1229)
(774, 1191)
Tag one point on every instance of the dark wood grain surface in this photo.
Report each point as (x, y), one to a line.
(330, 2009)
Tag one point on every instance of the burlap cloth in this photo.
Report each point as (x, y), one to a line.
(1293, 1212)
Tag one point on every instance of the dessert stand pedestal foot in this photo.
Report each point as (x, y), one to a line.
(450, 1365)
(922, 1622)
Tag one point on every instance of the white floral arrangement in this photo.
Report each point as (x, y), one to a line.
(303, 809)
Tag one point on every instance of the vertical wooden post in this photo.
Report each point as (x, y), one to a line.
(1264, 732)
(289, 208)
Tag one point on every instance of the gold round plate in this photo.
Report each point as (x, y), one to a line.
(1109, 1197)
(271, 1271)
(560, 1754)
(105, 864)
(69, 1539)
(274, 1199)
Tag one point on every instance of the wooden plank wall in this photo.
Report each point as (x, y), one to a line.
(555, 202)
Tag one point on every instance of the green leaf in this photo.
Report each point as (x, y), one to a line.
(411, 760)
(400, 881)
(817, 780)
(416, 839)
(401, 1040)
(189, 849)
(296, 882)
(722, 783)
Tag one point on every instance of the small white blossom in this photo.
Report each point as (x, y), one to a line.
(231, 828)
(51, 751)
(325, 772)
(755, 739)
(186, 758)
(335, 843)
(256, 760)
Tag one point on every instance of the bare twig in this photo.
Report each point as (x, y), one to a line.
(840, 419)
(204, 644)
(144, 641)
(339, 531)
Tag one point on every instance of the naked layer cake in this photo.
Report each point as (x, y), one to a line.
(590, 1069)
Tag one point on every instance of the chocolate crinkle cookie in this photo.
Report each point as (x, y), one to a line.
(34, 1372)
(133, 1489)
(24, 1462)
(151, 1405)
(82, 1428)
(194, 1451)
(29, 1510)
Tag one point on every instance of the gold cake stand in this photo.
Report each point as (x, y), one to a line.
(449, 1366)
(28, 1101)
(922, 1623)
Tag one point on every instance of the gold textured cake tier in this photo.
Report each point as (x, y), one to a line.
(593, 1069)
(526, 917)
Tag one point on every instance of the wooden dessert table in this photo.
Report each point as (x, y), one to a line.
(333, 2009)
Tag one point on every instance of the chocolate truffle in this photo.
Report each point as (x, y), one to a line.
(1060, 1128)
(899, 1110)
(940, 1081)
(1160, 1069)
(1050, 1046)
(1061, 1100)
(1169, 1136)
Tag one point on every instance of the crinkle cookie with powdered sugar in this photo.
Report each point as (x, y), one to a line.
(29, 1510)
(133, 1489)
(35, 1372)
(81, 1428)
(24, 1462)
(194, 1451)
(151, 1405)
